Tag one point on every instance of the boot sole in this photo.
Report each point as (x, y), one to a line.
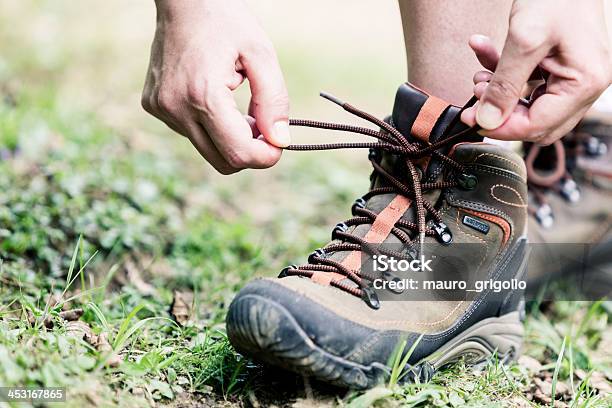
(263, 329)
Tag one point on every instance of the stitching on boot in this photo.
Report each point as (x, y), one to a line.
(518, 195)
(502, 173)
(504, 159)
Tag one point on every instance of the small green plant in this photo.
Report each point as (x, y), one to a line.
(400, 362)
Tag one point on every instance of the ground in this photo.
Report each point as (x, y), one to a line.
(121, 249)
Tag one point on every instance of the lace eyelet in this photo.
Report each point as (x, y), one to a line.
(284, 272)
(370, 297)
(443, 233)
(467, 181)
(318, 253)
(340, 227)
(359, 203)
(375, 154)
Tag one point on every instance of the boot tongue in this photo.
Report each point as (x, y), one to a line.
(418, 115)
(426, 118)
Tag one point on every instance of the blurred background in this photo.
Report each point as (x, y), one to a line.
(93, 56)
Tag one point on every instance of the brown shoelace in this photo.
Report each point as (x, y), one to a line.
(392, 141)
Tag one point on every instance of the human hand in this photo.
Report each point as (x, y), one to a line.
(567, 41)
(202, 51)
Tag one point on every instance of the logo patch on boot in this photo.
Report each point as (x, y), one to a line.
(476, 224)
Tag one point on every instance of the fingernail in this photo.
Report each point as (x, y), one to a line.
(489, 116)
(282, 138)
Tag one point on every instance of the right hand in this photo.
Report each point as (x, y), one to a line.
(565, 41)
(202, 51)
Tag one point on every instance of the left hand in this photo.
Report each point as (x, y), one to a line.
(565, 39)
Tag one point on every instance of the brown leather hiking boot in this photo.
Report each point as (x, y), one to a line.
(437, 198)
(570, 201)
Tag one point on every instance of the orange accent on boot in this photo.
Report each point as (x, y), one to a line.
(499, 221)
(427, 118)
(381, 228)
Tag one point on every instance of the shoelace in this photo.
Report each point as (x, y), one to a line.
(392, 141)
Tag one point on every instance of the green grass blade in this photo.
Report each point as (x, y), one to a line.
(73, 261)
(399, 363)
(556, 372)
(125, 325)
(71, 281)
(395, 370)
(122, 339)
(408, 355)
(100, 316)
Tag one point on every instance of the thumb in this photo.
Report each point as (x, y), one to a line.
(520, 56)
(269, 99)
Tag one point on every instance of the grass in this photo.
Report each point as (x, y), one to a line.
(107, 216)
(72, 244)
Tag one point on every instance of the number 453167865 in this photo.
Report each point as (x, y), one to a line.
(32, 394)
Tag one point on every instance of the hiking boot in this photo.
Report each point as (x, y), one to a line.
(436, 194)
(570, 192)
